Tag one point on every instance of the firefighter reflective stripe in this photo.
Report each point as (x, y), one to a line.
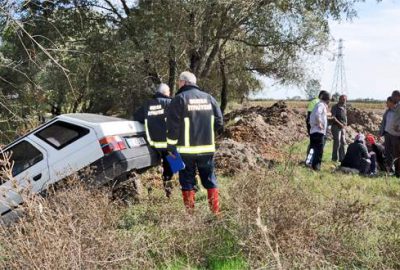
(160, 144)
(187, 132)
(196, 149)
(147, 133)
(172, 142)
(212, 130)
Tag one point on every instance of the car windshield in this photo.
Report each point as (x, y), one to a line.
(20, 157)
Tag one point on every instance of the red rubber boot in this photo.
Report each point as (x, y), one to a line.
(213, 200)
(188, 200)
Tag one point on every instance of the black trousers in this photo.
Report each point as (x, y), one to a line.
(202, 163)
(167, 173)
(317, 142)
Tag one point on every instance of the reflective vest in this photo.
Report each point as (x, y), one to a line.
(193, 119)
(311, 104)
(153, 116)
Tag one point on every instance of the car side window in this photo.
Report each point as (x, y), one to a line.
(60, 134)
(23, 155)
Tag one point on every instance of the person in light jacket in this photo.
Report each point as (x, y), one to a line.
(319, 124)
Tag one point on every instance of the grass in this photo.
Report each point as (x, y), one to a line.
(285, 218)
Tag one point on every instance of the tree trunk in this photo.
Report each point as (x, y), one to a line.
(172, 68)
(207, 67)
(224, 84)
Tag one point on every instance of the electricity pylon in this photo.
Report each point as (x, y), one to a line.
(339, 84)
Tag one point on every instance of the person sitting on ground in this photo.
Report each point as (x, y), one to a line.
(357, 156)
(376, 149)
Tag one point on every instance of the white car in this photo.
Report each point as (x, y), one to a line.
(69, 143)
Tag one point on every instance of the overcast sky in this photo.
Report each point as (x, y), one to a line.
(372, 54)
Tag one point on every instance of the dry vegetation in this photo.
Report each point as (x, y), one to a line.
(274, 216)
(284, 218)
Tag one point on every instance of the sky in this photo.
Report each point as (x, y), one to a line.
(371, 54)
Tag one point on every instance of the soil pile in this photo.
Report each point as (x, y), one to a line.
(255, 137)
(362, 122)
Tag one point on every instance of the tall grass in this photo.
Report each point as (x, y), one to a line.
(283, 218)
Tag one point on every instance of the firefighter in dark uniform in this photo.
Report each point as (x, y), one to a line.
(193, 120)
(153, 116)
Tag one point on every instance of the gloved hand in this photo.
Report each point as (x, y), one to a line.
(171, 148)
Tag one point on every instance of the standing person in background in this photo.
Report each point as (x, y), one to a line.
(392, 137)
(319, 124)
(193, 120)
(153, 115)
(396, 128)
(339, 118)
(310, 108)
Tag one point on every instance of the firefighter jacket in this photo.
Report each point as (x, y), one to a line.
(153, 116)
(193, 120)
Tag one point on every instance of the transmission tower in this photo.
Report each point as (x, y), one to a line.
(339, 84)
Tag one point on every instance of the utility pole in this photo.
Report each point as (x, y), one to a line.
(339, 84)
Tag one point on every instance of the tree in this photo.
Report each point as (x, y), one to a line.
(107, 56)
(312, 89)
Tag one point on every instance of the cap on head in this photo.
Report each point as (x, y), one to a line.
(359, 137)
(163, 89)
(370, 139)
(188, 77)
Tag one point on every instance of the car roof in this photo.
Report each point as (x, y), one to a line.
(95, 119)
(92, 118)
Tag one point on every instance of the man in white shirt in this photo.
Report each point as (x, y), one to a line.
(319, 124)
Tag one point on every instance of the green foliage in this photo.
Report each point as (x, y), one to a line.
(107, 56)
(312, 89)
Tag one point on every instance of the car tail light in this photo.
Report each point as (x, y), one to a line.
(111, 144)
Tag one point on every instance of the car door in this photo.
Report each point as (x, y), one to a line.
(70, 146)
(27, 164)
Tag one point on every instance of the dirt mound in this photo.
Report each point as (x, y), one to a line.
(255, 137)
(234, 157)
(362, 122)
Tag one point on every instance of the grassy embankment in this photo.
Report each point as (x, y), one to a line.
(285, 218)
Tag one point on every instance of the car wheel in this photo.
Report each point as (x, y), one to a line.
(128, 191)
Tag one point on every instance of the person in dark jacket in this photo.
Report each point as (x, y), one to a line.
(391, 136)
(357, 156)
(395, 126)
(153, 115)
(193, 120)
(339, 122)
(377, 150)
